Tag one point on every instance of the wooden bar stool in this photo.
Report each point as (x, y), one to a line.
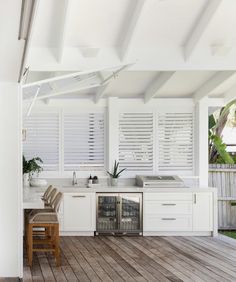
(48, 239)
(47, 193)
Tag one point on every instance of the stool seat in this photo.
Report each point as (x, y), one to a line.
(43, 217)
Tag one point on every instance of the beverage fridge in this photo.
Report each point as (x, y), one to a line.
(119, 213)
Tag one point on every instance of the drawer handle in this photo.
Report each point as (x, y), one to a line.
(168, 218)
(79, 196)
(168, 204)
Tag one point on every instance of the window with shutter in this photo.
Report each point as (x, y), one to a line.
(84, 141)
(136, 141)
(175, 142)
(42, 139)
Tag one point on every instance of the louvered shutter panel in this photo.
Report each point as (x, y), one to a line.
(84, 141)
(136, 141)
(42, 139)
(175, 142)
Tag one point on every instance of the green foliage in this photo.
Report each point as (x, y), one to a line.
(116, 173)
(217, 149)
(32, 166)
(224, 156)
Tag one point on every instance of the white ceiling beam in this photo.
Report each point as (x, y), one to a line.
(130, 30)
(100, 93)
(230, 95)
(200, 27)
(158, 83)
(211, 84)
(63, 30)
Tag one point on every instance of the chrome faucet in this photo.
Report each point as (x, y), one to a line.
(74, 180)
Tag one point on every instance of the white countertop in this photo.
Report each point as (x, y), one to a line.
(111, 189)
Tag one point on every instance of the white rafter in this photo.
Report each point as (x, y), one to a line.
(200, 27)
(63, 29)
(230, 94)
(106, 81)
(100, 93)
(126, 42)
(158, 83)
(211, 84)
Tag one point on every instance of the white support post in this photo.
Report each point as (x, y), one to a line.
(201, 147)
(113, 131)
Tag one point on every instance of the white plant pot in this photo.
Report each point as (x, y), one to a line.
(114, 181)
(26, 180)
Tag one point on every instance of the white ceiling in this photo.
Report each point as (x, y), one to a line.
(152, 34)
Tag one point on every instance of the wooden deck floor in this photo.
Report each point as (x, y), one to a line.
(137, 259)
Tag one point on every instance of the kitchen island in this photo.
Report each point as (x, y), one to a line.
(166, 211)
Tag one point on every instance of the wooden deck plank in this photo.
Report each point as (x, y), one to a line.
(73, 260)
(208, 260)
(197, 265)
(144, 260)
(90, 245)
(133, 259)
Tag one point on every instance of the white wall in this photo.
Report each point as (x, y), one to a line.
(10, 177)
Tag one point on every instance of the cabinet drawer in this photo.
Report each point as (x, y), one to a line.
(168, 196)
(168, 207)
(168, 223)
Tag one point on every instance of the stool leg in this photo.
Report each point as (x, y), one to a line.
(57, 244)
(30, 243)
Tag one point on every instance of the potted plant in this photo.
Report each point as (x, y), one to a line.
(115, 174)
(29, 168)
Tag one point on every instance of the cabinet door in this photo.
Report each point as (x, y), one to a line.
(107, 217)
(79, 212)
(130, 212)
(202, 211)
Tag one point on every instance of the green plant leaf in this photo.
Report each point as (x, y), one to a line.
(211, 122)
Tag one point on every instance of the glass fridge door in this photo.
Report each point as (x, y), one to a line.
(107, 212)
(130, 212)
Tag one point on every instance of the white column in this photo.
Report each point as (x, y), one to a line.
(10, 181)
(113, 131)
(201, 148)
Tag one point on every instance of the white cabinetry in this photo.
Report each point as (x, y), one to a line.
(173, 213)
(202, 212)
(79, 212)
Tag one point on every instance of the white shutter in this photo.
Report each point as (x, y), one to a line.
(42, 139)
(175, 142)
(84, 141)
(136, 141)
